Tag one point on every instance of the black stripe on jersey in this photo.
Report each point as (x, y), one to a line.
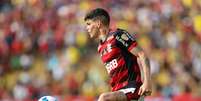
(128, 57)
(129, 64)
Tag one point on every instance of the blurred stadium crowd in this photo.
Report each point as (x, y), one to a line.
(44, 49)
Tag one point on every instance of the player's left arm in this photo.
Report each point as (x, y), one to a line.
(143, 61)
(128, 42)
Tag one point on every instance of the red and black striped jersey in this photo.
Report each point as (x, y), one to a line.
(119, 62)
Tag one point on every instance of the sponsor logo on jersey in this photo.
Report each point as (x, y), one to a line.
(129, 36)
(122, 41)
(111, 65)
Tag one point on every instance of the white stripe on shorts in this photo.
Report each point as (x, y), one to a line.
(128, 90)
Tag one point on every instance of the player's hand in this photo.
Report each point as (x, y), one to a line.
(145, 89)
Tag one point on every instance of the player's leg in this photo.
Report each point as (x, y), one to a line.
(132, 94)
(141, 98)
(113, 96)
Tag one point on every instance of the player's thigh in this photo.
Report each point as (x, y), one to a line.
(140, 99)
(113, 96)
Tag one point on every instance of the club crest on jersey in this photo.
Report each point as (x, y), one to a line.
(124, 37)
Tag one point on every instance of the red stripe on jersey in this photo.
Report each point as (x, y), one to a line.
(115, 51)
(119, 77)
(99, 48)
(132, 46)
(107, 57)
(119, 86)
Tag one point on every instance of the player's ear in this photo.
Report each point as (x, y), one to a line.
(98, 23)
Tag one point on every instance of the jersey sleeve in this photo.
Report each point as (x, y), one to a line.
(125, 40)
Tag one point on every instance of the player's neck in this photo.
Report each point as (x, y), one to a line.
(103, 34)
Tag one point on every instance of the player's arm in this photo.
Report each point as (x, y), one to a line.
(129, 43)
(144, 63)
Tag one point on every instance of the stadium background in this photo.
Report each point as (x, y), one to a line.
(44, 49)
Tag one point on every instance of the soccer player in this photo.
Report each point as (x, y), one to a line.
(122, 58)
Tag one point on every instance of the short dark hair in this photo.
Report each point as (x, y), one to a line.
(98, 14)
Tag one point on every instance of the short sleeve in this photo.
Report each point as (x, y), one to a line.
(125, 40)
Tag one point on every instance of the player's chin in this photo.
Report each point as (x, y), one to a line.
(92, 35)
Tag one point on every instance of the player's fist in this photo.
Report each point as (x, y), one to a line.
(145, 89)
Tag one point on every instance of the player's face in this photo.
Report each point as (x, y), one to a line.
(92, 28)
